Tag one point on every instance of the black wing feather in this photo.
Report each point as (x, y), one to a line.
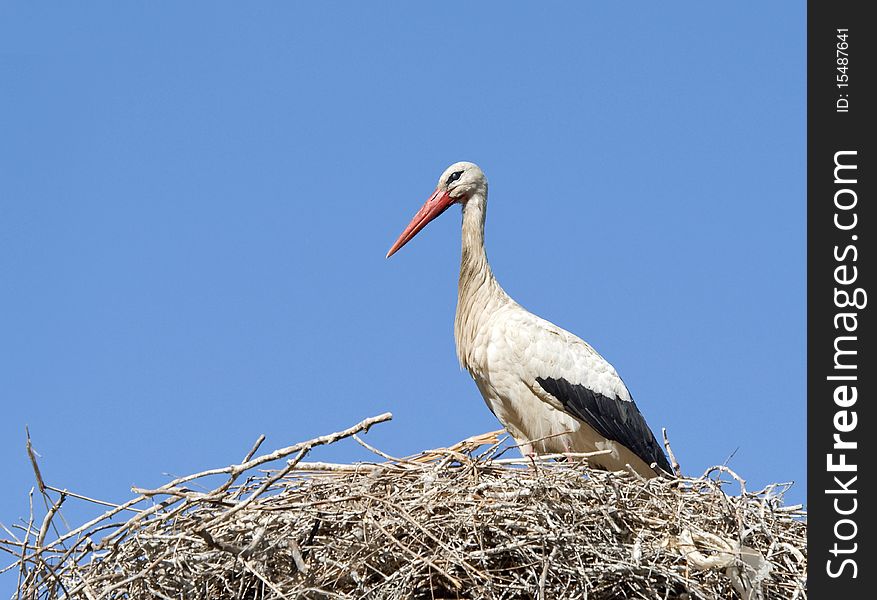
(615, 419)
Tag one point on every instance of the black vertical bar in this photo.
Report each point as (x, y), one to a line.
(840, 264)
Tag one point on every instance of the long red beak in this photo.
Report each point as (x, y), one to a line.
(436, 205)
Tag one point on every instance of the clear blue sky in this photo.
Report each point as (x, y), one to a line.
(195, 204)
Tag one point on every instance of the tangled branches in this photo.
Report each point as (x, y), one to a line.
(459, 522)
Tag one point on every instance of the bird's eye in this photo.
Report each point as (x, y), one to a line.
(454, 177)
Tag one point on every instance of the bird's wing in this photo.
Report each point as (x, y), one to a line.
(577, 380)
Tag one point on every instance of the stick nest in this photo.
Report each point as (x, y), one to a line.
(459, 522)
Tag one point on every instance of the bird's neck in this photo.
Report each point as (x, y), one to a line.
(478, 294)
(473, 260)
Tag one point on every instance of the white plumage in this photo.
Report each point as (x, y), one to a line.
(551, 390)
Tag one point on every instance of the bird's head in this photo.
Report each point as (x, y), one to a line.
(457, 185)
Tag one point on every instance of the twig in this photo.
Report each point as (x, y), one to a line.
(297, 557)
(374, 450)
(677, 470)
(33, 462)
(544, 574)
(22, 564)
(526, 460)
(255, 448)
(725, 469)
(87, 499)
(44, 528)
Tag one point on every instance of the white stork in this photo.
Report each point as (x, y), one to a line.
(551, 390)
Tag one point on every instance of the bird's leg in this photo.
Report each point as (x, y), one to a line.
(528, 452)
(567, 450)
